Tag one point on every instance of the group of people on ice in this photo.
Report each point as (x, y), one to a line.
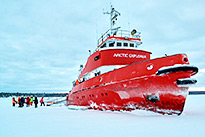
(28, 101)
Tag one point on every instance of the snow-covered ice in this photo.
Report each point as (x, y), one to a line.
(59, 121)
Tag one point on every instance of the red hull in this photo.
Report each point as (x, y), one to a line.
(143, 85)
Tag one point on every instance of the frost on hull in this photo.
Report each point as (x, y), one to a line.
(158, 99)
(118, 76)
(163, 106)
(164, 103)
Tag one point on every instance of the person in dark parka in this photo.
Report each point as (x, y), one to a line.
(36, 102)
(22, 101)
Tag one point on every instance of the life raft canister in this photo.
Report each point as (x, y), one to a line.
(133, 32)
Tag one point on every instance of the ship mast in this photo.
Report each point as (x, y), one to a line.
(113, 18)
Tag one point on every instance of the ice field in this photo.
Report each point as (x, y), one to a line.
(59, 121)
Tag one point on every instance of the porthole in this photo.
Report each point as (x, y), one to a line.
(97, 57)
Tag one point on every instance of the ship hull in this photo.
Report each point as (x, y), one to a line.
(160, 87)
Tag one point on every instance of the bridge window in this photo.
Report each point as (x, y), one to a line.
(131, 44)
(111, 44)
(119, 44)
(103, 46)
(125, 44)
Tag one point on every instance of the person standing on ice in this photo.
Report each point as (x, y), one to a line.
(27, 101)
(22, 101)
(13, 101)
(36, 102)
(42, 102)
(18, 99)
(31, 100)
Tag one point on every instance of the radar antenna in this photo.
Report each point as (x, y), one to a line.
(113, 18)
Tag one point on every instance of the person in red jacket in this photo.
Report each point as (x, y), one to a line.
(18, 99)
(27, 101)
(13, 101)
(42, 102)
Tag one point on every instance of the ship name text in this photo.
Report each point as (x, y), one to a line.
(128, 55)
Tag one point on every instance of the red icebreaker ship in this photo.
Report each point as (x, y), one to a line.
(118, 76)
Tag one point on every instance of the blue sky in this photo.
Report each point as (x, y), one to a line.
(42, 43)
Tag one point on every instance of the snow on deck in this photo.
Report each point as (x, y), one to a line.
(59, 121)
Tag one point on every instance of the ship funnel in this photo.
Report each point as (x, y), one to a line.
(133, 32)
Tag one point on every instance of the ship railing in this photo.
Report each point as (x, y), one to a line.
(117, 33)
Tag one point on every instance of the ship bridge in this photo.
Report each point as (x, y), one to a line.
(119, 39)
